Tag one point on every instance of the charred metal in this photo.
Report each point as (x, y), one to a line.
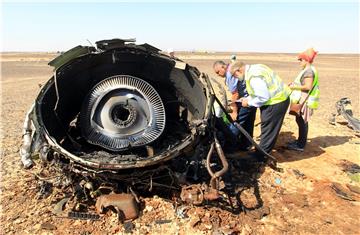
(127, 118)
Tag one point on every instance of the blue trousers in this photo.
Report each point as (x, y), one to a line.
(246, 118)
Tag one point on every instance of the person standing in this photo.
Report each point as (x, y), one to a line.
(171, 52)
(245, 116)
(267, 92)
(305, 87)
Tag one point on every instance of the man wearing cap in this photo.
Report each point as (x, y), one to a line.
(245, 116)
(267, 92)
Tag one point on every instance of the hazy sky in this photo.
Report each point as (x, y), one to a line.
(258, 27)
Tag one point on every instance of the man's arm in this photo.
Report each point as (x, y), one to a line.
(233, 105)
(308, 84)
(261, 91)
(232, 84)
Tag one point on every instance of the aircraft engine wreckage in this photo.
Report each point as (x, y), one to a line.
(122, 119)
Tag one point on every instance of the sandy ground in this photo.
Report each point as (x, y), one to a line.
(301, 200)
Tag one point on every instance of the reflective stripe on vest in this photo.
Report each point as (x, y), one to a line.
(313, 100)
(278, 91)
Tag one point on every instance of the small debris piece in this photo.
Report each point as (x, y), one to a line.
(129, 227)
(82, 216)
(162, 221)
(192, 194)
(259, 213)
(125, 205)
(194, 221)
(59, 207)
(150, 151)
(181, 212)
(45, 190)
(340, 191)
(349, 167)
(353, 188)
(48, 226)
(298, 174)
(328, 221)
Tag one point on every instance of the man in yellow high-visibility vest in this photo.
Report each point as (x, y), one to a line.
(267, 92)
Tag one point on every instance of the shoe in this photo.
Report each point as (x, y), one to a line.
(295, 147)
(292, 142)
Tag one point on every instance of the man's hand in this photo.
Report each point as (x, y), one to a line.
(244, 102)
(291, 86)
(233, 105)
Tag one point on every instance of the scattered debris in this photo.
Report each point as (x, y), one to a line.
(124, 204)
(181, 212)
(259, 213)
(133, 122)
(341, 191)
(45, 189)
(82, 215)
(352, 169)
(48, 226)
(194, 220)
(192, 194)
(163, 221)
(349, 167)
(128, 227)
(353, 188)
(344, 108)
(59, 207)
(298, 174)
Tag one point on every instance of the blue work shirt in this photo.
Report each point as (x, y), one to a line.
(230, 81)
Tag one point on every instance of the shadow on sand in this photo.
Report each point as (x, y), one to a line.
(314, 147)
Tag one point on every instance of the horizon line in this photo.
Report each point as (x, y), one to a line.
(202, 52)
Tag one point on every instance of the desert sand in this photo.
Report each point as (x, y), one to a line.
(301, 200)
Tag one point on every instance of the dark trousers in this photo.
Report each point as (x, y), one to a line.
(246, 118)
(272, 117)
(303, 131)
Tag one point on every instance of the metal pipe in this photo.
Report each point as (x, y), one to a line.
(224, 162)
(211, 173)
(220, 152)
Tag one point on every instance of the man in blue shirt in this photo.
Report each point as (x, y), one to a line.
(245, 116)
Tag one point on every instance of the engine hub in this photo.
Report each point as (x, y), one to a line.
(121, 112)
